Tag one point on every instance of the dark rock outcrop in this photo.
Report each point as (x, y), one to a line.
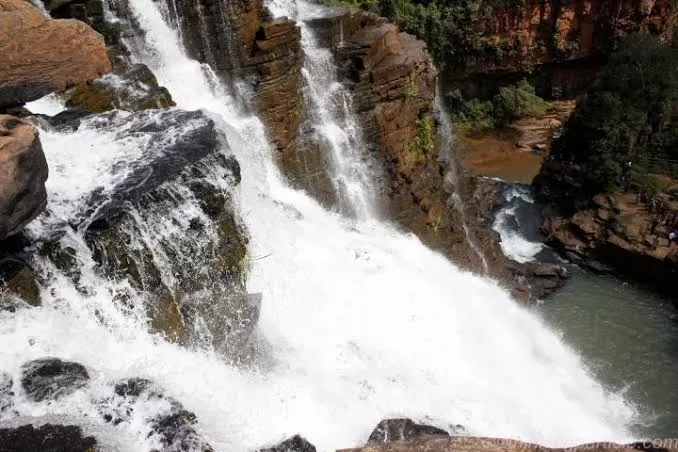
(23, 172)
(132, 90)
(173, 140)
(390, 430)
(174, 427)
(295, 444)
(46, 438)
(41, 56)
(51, 378)
(190, 268)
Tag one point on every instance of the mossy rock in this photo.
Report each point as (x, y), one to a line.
(23, 284)
(134, 90)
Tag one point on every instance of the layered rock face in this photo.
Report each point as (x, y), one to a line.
(23, 172)
(276, 61)
(564, 41)
(239, 39)
(41, 56)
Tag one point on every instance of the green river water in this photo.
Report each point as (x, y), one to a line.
(628, 336)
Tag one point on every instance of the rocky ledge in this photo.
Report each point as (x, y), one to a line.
(470, 444)
(608, 232)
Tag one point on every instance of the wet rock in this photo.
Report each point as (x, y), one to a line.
(232, 25)
(6, 392)
(51, 378)
(390, 430)
(67, 120)
(177, 433)
(295, 444)
(133, 90)
(175, 139)
(173, 425)
(41, 56)
(46, 438)
(23, 284)
(23, 172)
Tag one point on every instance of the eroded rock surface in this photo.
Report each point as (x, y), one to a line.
(23, 172)
(40, 56)
(51, 378)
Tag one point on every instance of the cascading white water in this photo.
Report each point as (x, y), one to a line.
(333, 123)
(359, 322)
(447, 146)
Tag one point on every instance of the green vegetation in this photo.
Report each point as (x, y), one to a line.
(449, 28)
(628, 115)
(511, 103)
(421, 145)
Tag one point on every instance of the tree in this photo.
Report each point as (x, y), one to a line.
(627, 114)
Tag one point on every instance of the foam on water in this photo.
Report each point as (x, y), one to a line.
(513, 243)
(359, 322)
(47, 105)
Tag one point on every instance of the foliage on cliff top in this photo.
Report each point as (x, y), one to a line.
(449, 28)
(629, 114)
(511, 102)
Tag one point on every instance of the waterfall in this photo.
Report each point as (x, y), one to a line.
(358, 321)
(332, 121)
(452, 178)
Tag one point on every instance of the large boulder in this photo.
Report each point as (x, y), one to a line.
(159, 215)
(51, 378)
(23, 172)
(48, 438)
(40, 56)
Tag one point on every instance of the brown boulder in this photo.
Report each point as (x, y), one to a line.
(23, 172)
(470, 444)
(40, 56)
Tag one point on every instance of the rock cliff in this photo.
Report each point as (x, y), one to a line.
(564, 43)
(608, 232)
